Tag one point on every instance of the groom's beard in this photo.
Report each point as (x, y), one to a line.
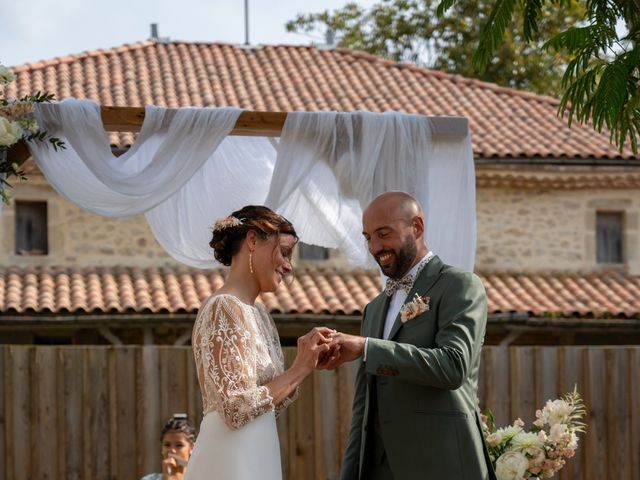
(404, 259)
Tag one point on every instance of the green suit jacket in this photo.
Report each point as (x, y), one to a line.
(426, 379)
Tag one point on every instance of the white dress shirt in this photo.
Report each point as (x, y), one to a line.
(397, 300)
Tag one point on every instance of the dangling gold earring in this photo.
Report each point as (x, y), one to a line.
(250, 262)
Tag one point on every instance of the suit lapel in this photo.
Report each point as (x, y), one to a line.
(378, 314)
(426, 279)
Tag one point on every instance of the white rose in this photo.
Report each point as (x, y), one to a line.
(6, 75)
(511, 466)
(10, 132)
(527, 442)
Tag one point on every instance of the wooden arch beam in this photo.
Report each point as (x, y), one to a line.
(250, 123)
(129, 119)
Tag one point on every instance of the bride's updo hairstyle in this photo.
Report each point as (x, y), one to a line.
(229, 232)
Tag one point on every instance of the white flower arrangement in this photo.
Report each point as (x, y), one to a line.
(518, 454)
(226, 222)
(16, 124)
(414, 308)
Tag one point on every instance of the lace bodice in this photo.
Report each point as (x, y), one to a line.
(237, 351)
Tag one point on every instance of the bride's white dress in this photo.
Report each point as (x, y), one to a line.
(237, 351)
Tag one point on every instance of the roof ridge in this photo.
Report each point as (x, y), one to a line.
(43, 63)
(340, 50)
(454, 77)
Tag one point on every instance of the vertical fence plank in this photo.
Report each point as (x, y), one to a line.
(95, 399)
(285, 428)
(570, 375)
(19, 423)
(149, 421)
(70, 386)
(596, 438)
(522, 377)
(123, 412)
(194, 396)
(495, 373)
(43, 377)
(618, 417)
(634, 408)
(4, 379)
(327, 418)
(545, 363)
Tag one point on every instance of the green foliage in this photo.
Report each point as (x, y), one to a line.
(601, 81)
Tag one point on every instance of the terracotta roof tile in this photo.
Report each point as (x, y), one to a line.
(505, 122)
(61, 290)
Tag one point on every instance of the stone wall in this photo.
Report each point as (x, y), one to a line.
(519, 229)
(80, 238)
(552, 230)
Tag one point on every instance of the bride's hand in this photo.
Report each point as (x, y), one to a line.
(311, 346)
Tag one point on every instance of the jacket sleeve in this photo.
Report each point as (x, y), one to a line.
(351, 459)
(462, 319)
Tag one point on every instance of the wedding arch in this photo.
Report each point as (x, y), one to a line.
(190, 166)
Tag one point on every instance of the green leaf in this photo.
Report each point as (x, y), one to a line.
(443, 6)
(493, 32)
(532, 14)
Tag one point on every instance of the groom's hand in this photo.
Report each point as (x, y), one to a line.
(350, 347)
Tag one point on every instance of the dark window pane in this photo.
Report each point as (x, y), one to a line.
(609, 237)
(312, 252)
(31, 228)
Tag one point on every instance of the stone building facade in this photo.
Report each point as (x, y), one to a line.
(528, 221)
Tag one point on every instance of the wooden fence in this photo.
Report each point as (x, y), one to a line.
(96, 412)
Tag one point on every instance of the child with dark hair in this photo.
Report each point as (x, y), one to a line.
(177, 439)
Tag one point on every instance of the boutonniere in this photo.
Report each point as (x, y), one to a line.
(414, 308)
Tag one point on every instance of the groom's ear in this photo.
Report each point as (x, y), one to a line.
(418, 226)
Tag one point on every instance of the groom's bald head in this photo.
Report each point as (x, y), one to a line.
(399, 204)
(393, 225)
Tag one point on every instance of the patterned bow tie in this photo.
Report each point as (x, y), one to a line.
(406, 283)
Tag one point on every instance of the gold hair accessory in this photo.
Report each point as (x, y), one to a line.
(226, 222)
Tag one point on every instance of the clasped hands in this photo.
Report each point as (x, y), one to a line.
(332, 348)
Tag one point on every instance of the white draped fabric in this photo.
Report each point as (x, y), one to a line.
(184, 172)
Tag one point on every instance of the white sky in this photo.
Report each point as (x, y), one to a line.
(32, 30)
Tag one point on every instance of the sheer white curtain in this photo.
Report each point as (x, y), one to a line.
(184, 172)
(331, 165)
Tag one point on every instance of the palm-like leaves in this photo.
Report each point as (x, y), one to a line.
(602, 82)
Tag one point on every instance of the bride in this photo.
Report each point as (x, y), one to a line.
(237, 352)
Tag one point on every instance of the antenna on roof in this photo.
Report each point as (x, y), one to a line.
(155, 36)
(246, 22)
(329, 37)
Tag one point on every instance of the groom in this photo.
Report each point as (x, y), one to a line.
(415, 407)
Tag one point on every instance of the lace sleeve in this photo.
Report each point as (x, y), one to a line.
(287, 402)
(278, 357)
(228, 355)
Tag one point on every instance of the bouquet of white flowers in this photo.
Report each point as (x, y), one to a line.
(540, 452)
(17, 123)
